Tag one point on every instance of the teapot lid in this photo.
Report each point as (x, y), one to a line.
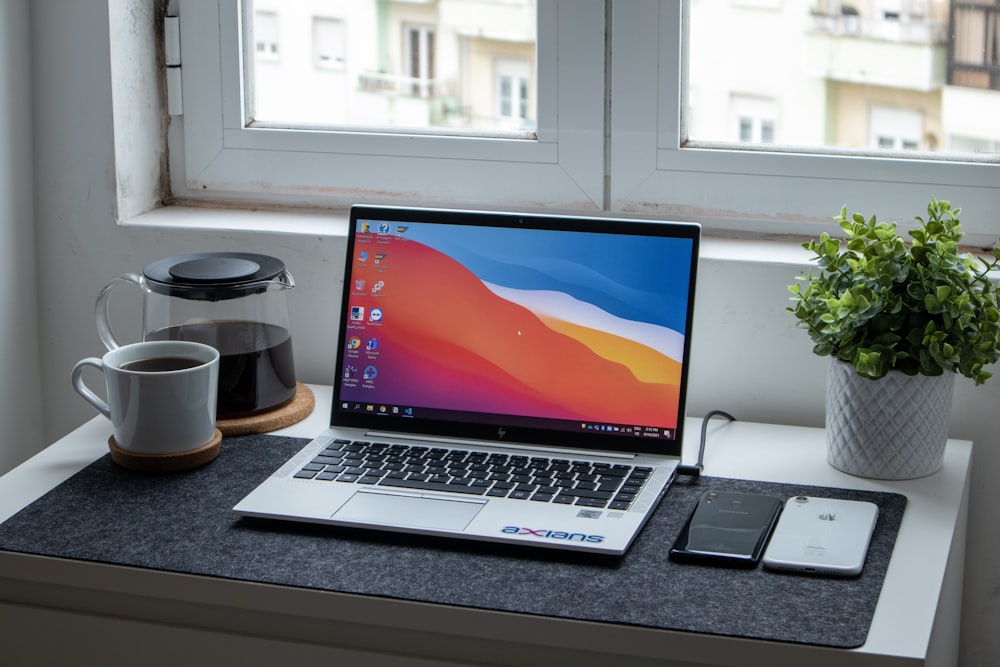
(213, 276)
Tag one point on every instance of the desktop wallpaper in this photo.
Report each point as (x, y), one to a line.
(582, 327)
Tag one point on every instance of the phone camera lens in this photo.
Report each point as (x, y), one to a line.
(801, 499)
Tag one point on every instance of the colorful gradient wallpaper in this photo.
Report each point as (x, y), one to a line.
(581, 327)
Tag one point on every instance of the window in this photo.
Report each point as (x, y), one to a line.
(631, 141)
(512, 93)
(328, 43)
(265, 35)
(896, 129)
(419, 60)
(754, 119)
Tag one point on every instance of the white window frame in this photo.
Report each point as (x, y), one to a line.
(215, 157)
(642, 163)
(770, 190)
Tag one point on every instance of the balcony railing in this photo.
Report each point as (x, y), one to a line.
(974, 53)
(902, 29)
(396, 84)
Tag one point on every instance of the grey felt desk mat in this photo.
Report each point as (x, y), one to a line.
(182, 522)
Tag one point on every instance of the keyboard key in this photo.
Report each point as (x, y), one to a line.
(431, 486)
(583, 493)
(619, 505)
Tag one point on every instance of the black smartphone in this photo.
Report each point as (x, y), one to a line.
(727, 528)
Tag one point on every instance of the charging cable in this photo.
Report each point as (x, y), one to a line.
(695, 469)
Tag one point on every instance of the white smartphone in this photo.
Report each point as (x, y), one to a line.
(822, 536)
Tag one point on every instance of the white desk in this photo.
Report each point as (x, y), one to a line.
(58, 611)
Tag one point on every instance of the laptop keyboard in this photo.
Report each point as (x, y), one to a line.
(537, 479)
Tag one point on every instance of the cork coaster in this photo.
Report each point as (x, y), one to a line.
(298, 408)
(173, 462)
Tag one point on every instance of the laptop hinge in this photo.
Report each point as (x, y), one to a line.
(457, 442)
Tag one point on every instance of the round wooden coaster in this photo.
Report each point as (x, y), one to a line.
(173, 462)
(294, 411)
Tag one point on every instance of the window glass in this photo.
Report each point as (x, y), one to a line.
(384, 65)
(865, 75)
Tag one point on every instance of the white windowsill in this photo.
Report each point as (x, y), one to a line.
(333, 224)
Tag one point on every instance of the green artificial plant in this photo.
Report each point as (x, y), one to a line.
(882, 303)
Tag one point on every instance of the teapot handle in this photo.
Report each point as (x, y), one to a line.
(101, 308)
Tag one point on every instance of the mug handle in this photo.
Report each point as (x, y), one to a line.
(101, 308)
(84, 390)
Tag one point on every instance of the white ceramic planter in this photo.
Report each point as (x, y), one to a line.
(893, 428)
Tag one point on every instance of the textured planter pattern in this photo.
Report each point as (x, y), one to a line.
(893, 428)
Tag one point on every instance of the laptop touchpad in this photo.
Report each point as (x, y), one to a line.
(415, 511)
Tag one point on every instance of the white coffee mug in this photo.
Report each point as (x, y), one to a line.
(161, 394)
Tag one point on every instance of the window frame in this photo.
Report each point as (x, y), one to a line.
(762, 190)
(214, 156)
(611, 137)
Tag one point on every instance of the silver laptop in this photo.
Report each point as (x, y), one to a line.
(501, 377)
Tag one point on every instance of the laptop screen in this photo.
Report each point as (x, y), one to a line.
(544, 329)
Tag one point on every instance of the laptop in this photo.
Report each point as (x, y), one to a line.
(505, 377)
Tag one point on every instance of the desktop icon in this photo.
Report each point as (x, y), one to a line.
(375, 315)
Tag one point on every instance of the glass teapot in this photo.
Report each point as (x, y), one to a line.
(233, 301)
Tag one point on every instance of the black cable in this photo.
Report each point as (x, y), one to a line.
(695, 469)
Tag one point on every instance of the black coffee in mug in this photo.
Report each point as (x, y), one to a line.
(256, 367)
(161, 364)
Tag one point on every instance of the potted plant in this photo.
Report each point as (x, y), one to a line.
(898, 319)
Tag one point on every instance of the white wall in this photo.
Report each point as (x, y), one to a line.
(748, 359)
(20, 391)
